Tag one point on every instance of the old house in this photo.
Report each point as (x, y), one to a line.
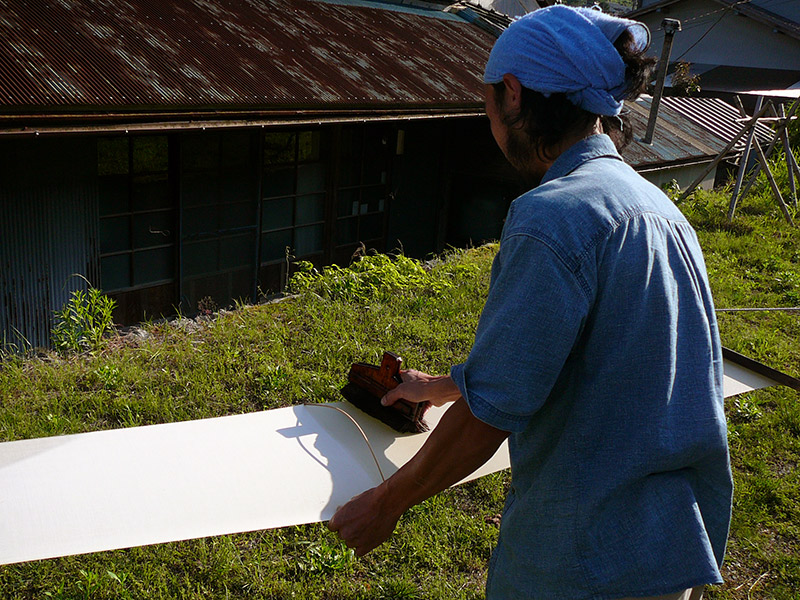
(178, 152)
(175, 155)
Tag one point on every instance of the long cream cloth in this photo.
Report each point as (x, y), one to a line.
(130, 487)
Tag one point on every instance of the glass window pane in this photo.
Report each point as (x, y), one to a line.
(375, 155)
(279, 147)
(371, 227)
(311, 178)
(151, 191)
(153, 265)
(372, 199)
(236, 187)
(309, 147)
(274, 244)
(150, 154)
(347, 231)
(114, 234)
(115, 272)
(277, 214)
(237, 251)
(347, 202)
(308, 240)
(239, 214)
(236, 150)
(310, 209)
(152, 229)
(199, 220)
(199, 257)
(278, 182)
(113, 192)
(112, 156)
(199, 189)
(200, 152)
(350, 158)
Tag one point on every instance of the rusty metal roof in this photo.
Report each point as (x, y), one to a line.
(677, 140)
(68, 57)
(718, 117)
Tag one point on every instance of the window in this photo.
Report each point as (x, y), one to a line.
(218, 217)
(293, 191)
(362, 188)
(137, 217)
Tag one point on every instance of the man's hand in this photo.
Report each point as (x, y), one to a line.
(366, 521)
(458, 445)
(421, 387)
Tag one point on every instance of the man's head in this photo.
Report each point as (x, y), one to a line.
(559, 74)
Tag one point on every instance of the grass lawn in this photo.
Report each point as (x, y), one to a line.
(273, 355)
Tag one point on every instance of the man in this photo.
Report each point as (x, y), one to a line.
(597, 351)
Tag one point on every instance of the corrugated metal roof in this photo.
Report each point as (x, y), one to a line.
(677, 140)
(716, 116)
(72, 56)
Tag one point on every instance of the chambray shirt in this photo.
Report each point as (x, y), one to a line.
(598, 349)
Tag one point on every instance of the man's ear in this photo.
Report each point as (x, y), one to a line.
(512, 98)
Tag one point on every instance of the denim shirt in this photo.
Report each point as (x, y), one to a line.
(598, 350)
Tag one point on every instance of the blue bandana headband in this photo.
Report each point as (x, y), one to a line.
(567, 50)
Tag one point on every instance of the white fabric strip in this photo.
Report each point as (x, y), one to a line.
(146, 485)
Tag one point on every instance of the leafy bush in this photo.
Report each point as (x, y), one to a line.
(372, 277)
(83, 321)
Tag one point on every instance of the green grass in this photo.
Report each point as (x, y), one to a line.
(755, 262)
(273, 355)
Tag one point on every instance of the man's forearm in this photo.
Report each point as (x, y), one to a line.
(458, 445)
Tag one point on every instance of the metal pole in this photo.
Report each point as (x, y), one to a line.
(670, 27)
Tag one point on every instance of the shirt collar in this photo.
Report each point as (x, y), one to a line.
(594, 146)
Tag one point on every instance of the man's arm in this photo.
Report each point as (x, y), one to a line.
(458, 445)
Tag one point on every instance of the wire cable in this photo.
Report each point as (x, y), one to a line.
(364, 435)
(783, 309)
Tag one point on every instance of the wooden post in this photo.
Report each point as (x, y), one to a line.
(771, 147)
(721, 155)
(773, 184)
(791, 163)
(744, 160)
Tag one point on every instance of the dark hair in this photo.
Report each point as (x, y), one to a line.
(547, 120)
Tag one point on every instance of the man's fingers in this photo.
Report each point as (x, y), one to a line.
(391, 397)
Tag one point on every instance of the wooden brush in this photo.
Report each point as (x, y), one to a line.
(369, 383)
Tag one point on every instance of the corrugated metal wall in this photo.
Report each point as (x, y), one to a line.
(48, 233)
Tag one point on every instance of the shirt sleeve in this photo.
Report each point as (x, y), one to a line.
(532, 319)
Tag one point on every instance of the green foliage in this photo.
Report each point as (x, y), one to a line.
(83, 321)
(369, 277)
(299, 349)
(324, 557)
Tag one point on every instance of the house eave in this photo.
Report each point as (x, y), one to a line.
(128, 123)
(765, 17)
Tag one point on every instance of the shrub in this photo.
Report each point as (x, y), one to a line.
(83, 321)
(371, 277)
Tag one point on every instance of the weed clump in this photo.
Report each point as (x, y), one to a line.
(368, 278)
(83, 321)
